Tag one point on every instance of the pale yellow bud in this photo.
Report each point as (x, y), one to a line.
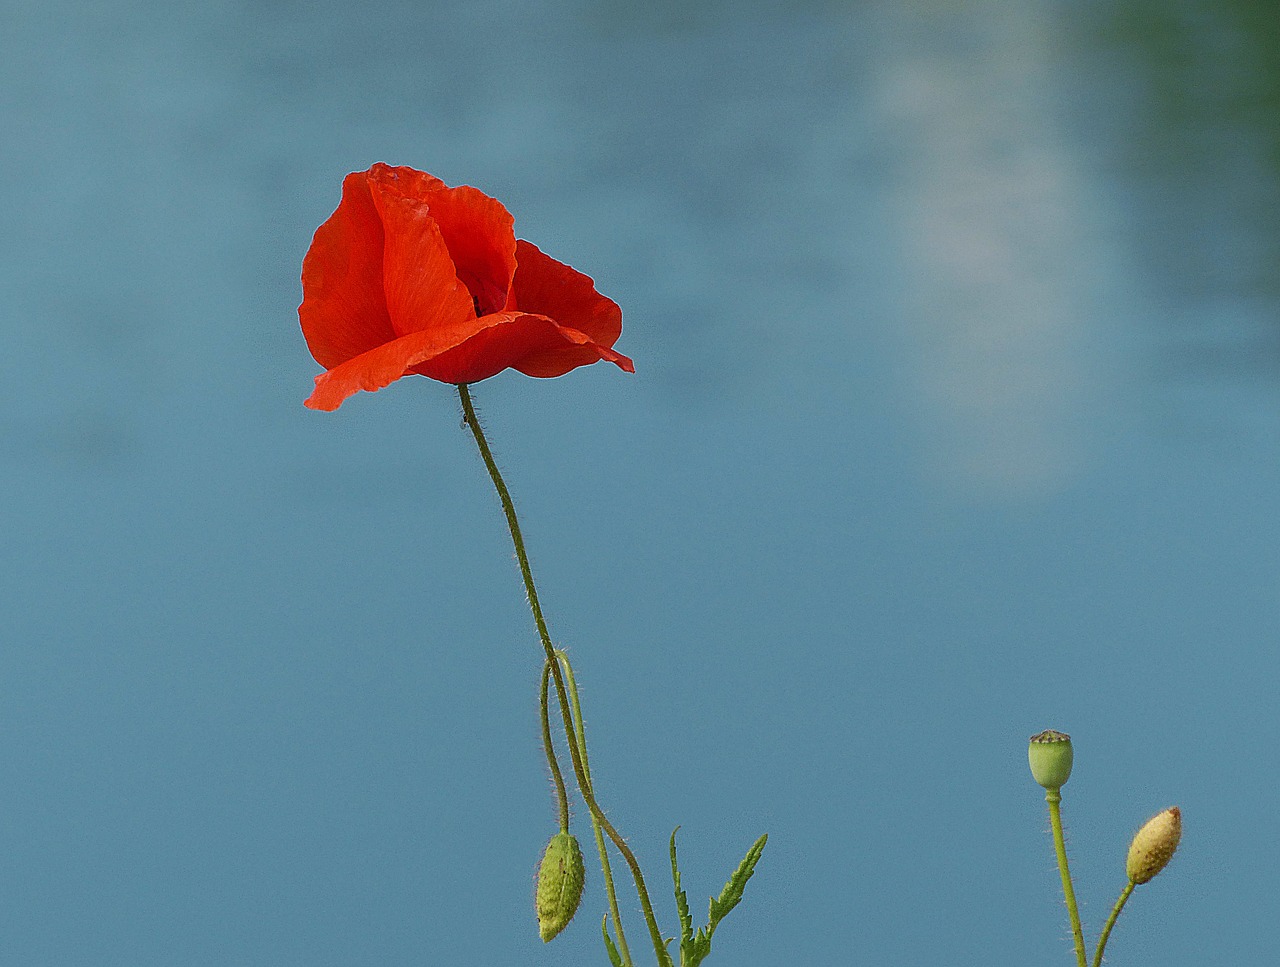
(1153, 846)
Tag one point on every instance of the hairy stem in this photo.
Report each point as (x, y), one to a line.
(562, 796)
(605, 868)
(1054, 798)
(584, 783)
(1111, 922)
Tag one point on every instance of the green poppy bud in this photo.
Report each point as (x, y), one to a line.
(560, 879)
(1153, 846)
(1050, 756)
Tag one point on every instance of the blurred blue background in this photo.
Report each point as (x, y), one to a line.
(956, 417)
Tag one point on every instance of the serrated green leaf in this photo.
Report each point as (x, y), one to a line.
(682, 901)
(698, 945)
(615, 958)
(699, 949)
(732, 891)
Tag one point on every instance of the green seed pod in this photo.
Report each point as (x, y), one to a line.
(1152, 848)
(560, 879)
(1050, 756)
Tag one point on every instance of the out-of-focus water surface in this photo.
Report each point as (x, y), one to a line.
(956, 417)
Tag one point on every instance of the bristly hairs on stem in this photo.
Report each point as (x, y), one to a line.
(1054, 800)
(620, 954)
(562, 795)
(562, 697)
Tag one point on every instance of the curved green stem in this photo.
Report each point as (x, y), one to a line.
(584, 784)
(605, 867)
(1111, 922)
(1054, 798)
(562, 796)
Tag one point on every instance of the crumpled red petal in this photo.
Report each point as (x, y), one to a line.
(512, 339)
(385, 364)
(478, 231)
(422, 287)
(462, 353)
(482, 240)
(550, 288)
(344, 311)
(404, 180)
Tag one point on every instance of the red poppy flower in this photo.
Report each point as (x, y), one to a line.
(412, 276)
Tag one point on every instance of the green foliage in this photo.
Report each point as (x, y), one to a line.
(615, 958)
(695, 946)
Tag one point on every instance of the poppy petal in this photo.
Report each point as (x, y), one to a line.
(551, 288)
(385, 364)
(422, 286)
(404, 180)
(481, 237)
(343, 311)
(571, 355)
(517, 340)
(477, 229)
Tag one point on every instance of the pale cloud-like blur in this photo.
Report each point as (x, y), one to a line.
(994, 219)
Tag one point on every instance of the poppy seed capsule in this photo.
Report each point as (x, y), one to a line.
(1153, 846)
(560, 879)
(1050, 756)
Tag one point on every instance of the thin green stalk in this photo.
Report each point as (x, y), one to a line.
(1054, 798)
(584, 784)
(1111, 922)
(605, 867)
(562, 796)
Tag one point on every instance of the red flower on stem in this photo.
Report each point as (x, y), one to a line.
(410, 276)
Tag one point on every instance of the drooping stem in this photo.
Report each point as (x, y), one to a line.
(605, 867)
(584, 783)
(562, 797)
(1111, 922)
(1054, 798)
